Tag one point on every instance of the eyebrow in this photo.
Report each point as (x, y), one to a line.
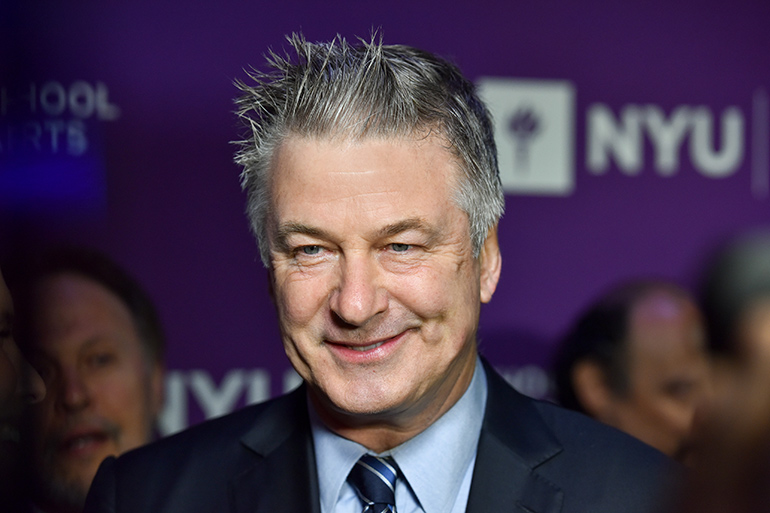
(415, 223)
(289, 229)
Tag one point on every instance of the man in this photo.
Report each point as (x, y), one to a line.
(20, 384)
(95, 336)
(637, 360)
(373, 191)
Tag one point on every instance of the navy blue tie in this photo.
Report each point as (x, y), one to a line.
(374, 479)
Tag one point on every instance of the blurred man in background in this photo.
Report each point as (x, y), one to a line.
(736, 299)
(636, 360)
(96, 338)
(19, 384)
(732, 452)
(732, 457)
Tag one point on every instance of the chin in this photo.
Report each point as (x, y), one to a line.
(364, 400)
(354, 398)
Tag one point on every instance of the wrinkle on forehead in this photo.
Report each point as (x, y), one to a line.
(354, 179)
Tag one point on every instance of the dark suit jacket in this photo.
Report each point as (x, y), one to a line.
(532, 457)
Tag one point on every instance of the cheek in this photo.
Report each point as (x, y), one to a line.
(126, 390)
(449, 296)
(296, 307)
(299, 298)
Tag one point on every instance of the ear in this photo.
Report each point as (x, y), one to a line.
(591, 388)
(490, 262)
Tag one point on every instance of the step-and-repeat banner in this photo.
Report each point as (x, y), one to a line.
(633, 137)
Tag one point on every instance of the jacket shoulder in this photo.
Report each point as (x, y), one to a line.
(194, 469)
(584, 465)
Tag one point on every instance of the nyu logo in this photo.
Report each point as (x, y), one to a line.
(622, 139)
(535, 125)
(534, 133)
(239, 387)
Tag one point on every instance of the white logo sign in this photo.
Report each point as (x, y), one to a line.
(534, 133)
(622, 139)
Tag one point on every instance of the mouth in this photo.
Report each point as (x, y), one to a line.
(83, 443)
(366, 350)
(363, 349)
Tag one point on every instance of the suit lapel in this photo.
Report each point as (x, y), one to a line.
(283, 478)
(514, 442)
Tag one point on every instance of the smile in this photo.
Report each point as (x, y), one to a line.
(366, 348)
(366, 351)
(83, 441)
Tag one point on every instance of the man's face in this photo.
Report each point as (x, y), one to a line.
(9, 355)
(19, 382)
(668, 372)
(10, 359)
(103, 394)
(374, 279)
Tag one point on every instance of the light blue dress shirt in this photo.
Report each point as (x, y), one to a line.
(437, 463)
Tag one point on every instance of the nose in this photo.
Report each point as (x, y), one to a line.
(359, 296)
(73, 393)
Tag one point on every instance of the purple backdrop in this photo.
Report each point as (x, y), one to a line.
(115, 122)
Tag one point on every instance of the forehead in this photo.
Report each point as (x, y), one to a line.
(665, 328)
(72, 309)
(373, 173)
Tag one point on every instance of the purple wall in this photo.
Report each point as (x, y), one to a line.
(115, 122)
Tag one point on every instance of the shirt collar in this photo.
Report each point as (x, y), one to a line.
(434, 462)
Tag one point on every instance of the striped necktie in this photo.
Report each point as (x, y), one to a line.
(374, 479)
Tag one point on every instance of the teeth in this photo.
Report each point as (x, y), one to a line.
(81, 442)
(367, 348)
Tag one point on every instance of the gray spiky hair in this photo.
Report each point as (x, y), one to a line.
(336, 89)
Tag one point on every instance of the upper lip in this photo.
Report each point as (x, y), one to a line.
(359, 342)
(355, 344)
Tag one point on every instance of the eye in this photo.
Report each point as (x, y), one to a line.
(680, 389)
(310, 250)
(101, 359)
(399, 247)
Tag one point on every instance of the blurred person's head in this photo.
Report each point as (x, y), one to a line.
(20, 384)
(732, 457)
(636, 360)
(736, 298)
(96, 338)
